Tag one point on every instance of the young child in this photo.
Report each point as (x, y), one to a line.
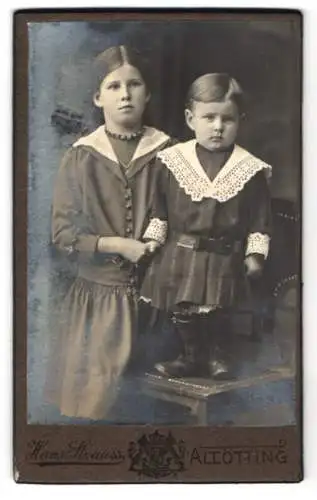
(101, 207)
(212, 216)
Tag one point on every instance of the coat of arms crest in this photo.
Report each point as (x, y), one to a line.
(157, 455)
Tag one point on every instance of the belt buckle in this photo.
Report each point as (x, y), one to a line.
(187, 242)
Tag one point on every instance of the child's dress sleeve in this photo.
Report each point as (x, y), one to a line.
(158, 226)
(70, 233)
(259, 218)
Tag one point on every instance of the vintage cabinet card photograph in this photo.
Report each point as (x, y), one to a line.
(157, 255)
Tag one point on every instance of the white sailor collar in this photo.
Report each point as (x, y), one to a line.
(99, 141)
(183, 163)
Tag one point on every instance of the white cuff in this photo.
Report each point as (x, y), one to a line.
(156, 230)
(258, 243)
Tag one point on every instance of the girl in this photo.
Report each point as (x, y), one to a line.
(100, 210)
(212, 213)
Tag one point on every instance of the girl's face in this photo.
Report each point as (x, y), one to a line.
(215, 123)
(123, 97)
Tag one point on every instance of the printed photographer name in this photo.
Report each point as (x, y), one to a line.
(235, 455)
(42, 451)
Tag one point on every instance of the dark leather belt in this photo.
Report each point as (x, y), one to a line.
(221, 245)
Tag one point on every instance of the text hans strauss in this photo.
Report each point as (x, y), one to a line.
(43, 452)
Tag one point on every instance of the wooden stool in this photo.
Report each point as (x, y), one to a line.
(195, 394)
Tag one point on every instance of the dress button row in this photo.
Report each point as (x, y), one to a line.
(128, 194)
(128, 205)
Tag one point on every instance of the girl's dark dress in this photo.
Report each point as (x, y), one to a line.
(96, 196)
(211, 211)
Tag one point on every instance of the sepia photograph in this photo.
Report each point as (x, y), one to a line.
(161, 161)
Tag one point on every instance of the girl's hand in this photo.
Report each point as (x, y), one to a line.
(152, 246)
(253, 266)
(132, 250)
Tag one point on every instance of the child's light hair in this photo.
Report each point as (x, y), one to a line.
(215, 87)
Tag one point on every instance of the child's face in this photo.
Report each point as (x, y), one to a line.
(123, 96)
(215, 123)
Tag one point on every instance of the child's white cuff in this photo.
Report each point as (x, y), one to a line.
(258, 243)
(156, 230)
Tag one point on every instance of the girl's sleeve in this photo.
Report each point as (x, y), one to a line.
(259, 216)
(158, 227)
(70, 232)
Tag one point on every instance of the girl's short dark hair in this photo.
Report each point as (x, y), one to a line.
(113, 58)
(215, 87)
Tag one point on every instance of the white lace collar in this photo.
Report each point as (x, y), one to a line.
(98, 140)
(183, 162)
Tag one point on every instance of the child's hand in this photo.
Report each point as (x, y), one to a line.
(151, 246)
(253, 266)
(132, 250)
